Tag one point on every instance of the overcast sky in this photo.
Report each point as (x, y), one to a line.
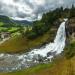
(30, 9)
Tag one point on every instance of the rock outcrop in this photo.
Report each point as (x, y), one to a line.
(70, 29)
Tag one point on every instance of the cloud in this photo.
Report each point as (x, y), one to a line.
(30, 9)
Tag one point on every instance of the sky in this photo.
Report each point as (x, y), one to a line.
(30, 9)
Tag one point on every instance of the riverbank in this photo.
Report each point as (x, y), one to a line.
(67, 67)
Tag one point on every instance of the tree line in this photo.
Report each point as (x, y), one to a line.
(42, 26)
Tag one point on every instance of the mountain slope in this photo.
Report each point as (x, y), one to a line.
(8, 22)
(21, 43)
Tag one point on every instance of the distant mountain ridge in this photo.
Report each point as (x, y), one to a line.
(23, 22)
(10, 22)
(7, 22)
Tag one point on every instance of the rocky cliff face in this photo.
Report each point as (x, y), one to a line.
(72, 25)
(70, 29)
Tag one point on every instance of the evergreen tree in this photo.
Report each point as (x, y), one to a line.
(72, 11)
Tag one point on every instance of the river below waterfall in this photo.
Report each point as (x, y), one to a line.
(11, 62)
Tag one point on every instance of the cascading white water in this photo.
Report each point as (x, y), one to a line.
(15, 62)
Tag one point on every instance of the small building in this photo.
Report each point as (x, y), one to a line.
(4, 35)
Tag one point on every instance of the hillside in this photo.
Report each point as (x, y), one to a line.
(9, 25)
(25, 41)
(9, 22)
(21, 43)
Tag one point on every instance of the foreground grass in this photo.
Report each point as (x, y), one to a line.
(30, 71)
(60, 67)
(20, 44)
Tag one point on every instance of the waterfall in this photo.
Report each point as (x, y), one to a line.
(19, 61)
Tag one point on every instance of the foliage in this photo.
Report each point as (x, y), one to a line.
(72, 11)
(70, 50)
(42, 26)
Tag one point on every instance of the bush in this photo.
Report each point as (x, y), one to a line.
(31, 35)
(70, 50)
